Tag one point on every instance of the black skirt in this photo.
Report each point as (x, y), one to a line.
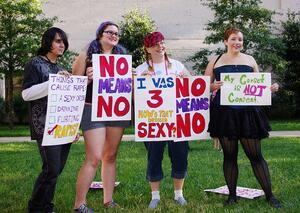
(248, 122)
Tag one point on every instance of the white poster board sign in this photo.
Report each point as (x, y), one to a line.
(246, 89)
(112, 87)
(243, 192)
(192, 108)
(155, 109)
(66, 97)
(168, 108)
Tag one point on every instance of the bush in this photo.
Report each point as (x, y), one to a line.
(283, 105)
(67, 59)
(291, 39)
(134, 28)
(21, 109)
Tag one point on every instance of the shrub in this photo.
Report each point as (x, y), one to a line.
(134, 28)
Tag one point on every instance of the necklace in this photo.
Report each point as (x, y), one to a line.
(49, 60)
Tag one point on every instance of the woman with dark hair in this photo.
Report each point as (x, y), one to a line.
(35, 89)
(158, 63)
(230, 124)
(102, 138)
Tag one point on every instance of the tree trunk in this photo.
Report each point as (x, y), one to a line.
(9, 96)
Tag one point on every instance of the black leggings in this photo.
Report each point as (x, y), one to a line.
(252, 148)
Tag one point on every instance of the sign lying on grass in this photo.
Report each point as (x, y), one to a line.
(246, 89)
(66, 97)
(112, 87)
(240, 192)
(168, 108)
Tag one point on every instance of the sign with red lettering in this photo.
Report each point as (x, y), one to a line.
(155, 117)
(192, 108)
(66, 97)
(112, 87)
(168, 108)
(247, 89)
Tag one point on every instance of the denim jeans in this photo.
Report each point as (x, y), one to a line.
(54, 159)
(178, 153)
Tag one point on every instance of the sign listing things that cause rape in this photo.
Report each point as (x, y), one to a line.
(246, 89)
(66, 97)
(168, 108)
(112, 87)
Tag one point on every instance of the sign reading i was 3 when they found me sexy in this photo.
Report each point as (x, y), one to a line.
(248, 89)
(112, 87)
(66, 97)
(169, 108)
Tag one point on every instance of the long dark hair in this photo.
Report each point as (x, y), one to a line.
(48, 37)
(95, 45)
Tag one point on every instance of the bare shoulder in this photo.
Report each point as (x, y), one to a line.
(248, 58)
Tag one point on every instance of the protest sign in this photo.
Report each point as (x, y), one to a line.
(66, 97)
(168, 108)
(112, 87)
(155, 108)
(247, 89)
(192, 108)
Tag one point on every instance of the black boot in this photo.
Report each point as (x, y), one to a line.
(274, 202)
(231, 200)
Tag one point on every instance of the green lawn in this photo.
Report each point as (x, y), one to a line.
(23, 130)
(20, 164)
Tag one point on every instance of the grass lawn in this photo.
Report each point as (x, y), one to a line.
(23, 130)
(20, 164)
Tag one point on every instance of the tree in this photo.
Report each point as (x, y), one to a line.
(21, 26)
(254, 21)
(291, 39)
(134, 28)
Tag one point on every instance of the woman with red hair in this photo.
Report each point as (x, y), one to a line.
(158, 63)
(230, 124)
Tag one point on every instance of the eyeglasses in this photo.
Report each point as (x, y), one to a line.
(111, 33)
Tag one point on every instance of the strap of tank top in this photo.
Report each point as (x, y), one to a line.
(217, 60)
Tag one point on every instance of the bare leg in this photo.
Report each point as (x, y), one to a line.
(94, 142)
(178, 183)
(154, 186)
(113, 138)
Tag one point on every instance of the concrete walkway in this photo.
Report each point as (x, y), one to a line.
(131, 137)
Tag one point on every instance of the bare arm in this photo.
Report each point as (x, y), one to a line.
(78, 67)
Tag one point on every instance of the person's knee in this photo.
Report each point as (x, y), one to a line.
(94, 161)
(109, 157)
(52, 172)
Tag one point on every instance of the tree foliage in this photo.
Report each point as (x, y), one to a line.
(134, 28)
(291, 39)
(256, 24)
(21, 26)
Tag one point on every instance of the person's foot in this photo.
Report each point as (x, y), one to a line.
(83, 209)
(274, 202)
(181, 201)
(111, 204)
(153, 203)
(230, 201)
